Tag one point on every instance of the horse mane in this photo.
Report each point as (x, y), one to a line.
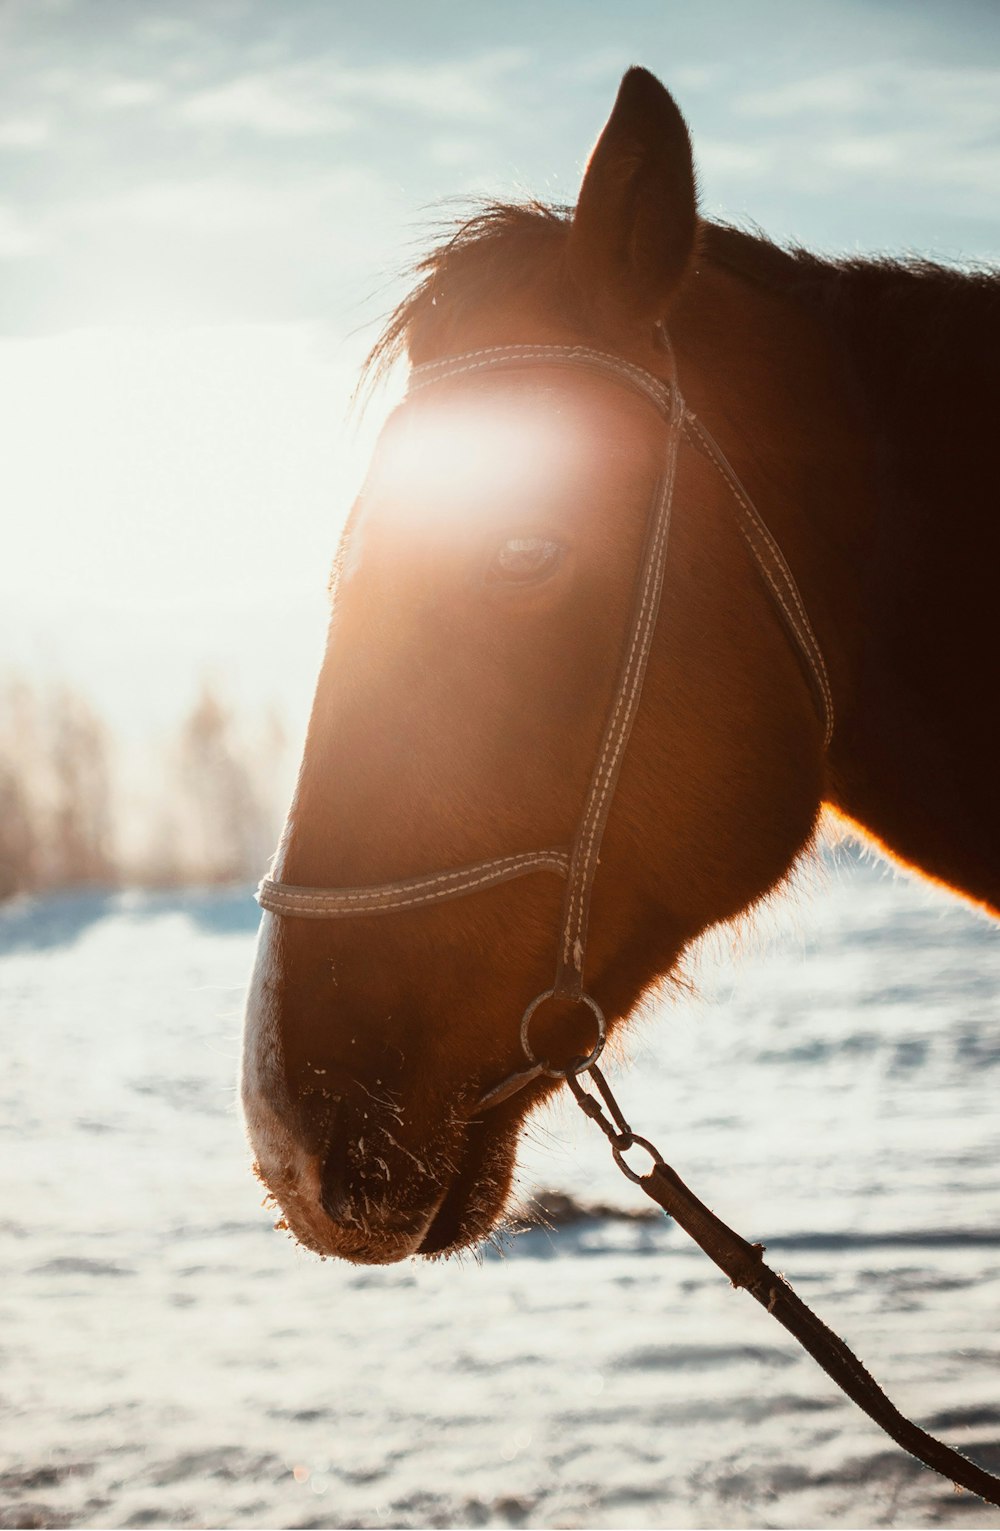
(917, 343)
(500, 250)
(872, 304)
(881, 309)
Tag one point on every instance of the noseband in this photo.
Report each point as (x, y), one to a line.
(577, 862)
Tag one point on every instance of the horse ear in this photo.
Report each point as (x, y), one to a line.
(635, 227)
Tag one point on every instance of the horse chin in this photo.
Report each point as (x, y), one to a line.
(461, 1215)
(385, 1238)
(474, 1202)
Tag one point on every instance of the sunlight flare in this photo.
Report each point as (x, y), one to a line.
(448, 458)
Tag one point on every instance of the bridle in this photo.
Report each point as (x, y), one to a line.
(577, 862)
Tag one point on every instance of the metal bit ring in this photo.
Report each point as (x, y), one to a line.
(576, 1065)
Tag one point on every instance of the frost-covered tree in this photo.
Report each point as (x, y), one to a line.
(21, 773)
(225, 824)
(81, 832)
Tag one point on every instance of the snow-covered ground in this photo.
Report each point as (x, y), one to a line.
(166, 1358)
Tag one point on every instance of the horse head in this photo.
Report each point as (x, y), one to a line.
(485, 592)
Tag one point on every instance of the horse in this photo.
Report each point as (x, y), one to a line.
(818, 435)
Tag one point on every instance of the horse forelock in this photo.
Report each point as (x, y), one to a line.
(503, 249)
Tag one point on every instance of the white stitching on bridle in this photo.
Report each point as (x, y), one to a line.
(578, 863)
(383, 898)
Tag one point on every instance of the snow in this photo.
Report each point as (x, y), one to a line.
(167, 1358)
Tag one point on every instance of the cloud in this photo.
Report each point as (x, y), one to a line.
(938, 122)
(954, 101)
(248, 181)
(19, 237)
(923, 130)
(124, 93)
(203, 207)
(328, 95)
(867, 152)
(460, 151)
(24, 132)
(285, 104)
(469, 89)
(732, 157)
(839, 91)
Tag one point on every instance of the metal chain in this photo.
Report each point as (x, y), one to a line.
(615, 1127)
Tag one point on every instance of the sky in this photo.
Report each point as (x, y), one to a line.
(206, 208)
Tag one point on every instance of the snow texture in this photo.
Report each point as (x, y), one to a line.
(166, 1358)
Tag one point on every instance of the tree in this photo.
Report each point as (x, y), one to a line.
(81, 827)
(225, 821)
(21, 829)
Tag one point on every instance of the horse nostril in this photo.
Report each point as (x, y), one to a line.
(334, 1187)
(327, 1123)
(334, 1193)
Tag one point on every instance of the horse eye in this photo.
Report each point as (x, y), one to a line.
(523, 560)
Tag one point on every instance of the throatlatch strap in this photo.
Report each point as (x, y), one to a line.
(777, 576)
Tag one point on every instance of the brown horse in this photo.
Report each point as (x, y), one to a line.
(482, 592)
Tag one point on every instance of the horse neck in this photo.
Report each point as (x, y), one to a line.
(899, 550)
(916, 757)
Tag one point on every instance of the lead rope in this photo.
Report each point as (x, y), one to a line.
(744, 1264)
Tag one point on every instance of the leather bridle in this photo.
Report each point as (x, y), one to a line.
(577, 862)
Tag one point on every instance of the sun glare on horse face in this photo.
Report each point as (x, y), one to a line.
(436, 460)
